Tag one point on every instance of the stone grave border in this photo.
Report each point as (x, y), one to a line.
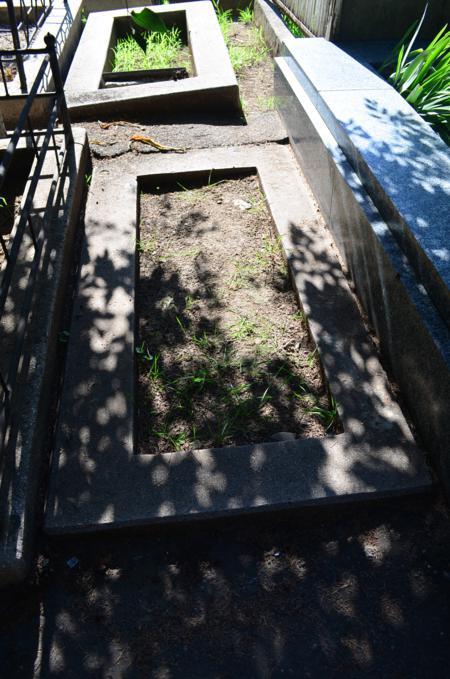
(98, 482)
(213, 87)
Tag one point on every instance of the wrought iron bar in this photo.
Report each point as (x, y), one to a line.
(41, 141)
(16, 43)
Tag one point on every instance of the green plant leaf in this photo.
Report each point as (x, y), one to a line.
(148, 20)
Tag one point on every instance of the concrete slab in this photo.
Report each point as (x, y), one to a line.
(97, 482)
(401, 162)
(327, 68)
(213, 87)
(58, 202)
(414, 340)
(260, 128)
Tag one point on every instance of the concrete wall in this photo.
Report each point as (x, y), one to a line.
(414, 333)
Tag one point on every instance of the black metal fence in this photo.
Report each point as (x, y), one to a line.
(40, 142)
(31, 16)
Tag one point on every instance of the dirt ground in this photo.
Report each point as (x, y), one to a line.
(359, 592)
(224, 353)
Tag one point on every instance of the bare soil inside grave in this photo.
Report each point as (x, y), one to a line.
(223, 350)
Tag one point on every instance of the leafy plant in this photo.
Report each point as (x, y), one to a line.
(327, 415)
(293, 27)
(422, 76)
(246, 15)
(148, 20)
(151, 360)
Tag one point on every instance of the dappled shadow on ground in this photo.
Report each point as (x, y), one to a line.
(258, 597)
(365, 594)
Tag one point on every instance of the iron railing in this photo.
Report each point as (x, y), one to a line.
(32, 14)
(39, 141)
(24, 24)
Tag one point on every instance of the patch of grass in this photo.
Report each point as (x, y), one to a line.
(312, 357)
(162, 51)
(189, 253)
(266, 103)
(195, 195)
(257, 202)
(251, 53)
(189, 302)
(243, 328)
(224, 17)
(178, 440)
(147, 245)
(328, 416)
(242, 55)
(246, 15)
(203, 341)
(268, 257)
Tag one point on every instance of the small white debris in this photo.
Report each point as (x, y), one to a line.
(167, 302)
(241, 204)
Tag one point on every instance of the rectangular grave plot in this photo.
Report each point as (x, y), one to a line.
(224, 354)
(128, 65)
(93, 92)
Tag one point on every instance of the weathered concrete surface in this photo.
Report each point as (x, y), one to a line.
(58, 202)
(401, 162)
(97, 481)
(414, 340)
(275, 31)
(260, 129)
(213, 87)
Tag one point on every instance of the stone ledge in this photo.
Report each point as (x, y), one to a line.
(401, 162)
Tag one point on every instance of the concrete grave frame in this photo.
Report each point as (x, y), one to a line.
(98, 482)
(213, 87)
